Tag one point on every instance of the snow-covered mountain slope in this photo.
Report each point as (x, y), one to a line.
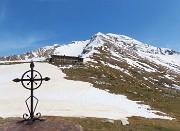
(76, 48)
(135, 59)
(132, 47)
(72, 49)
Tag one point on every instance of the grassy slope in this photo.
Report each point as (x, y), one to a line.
(136, 88)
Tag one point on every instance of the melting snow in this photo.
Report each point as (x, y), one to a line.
(117, 67)
(171, 62)
(136, 64)
(61, 97)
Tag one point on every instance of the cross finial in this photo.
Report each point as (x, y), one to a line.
(32, 64)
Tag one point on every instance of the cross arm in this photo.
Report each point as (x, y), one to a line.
(46, 78)
(17, 80)
(41, 79)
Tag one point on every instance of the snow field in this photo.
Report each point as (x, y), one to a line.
(61, 97)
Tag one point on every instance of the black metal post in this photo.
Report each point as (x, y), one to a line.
(32, 113)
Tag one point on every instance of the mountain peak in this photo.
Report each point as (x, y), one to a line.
(56, 45)
(99, 34)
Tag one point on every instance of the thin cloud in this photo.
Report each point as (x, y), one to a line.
(15, 44)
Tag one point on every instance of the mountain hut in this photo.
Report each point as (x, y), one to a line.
(63, 58)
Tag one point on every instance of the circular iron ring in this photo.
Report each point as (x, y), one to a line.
(37, 79)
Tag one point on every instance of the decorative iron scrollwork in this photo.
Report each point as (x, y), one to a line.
(26, 116)
(38, 115)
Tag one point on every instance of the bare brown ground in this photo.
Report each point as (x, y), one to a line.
(50, 124)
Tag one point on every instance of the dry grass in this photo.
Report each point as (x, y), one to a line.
(97, 124)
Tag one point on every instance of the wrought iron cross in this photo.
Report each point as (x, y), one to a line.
(31, 80)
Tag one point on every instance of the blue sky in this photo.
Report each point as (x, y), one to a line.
(29, 24)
